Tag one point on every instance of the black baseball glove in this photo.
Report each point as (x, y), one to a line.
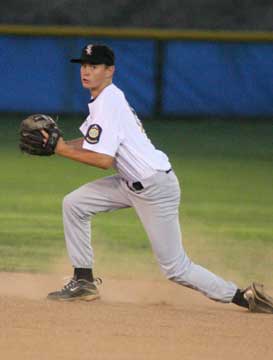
(31, 139)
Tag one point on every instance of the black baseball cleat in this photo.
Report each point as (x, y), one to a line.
(258, 299)
(77, 290)
(255, 298)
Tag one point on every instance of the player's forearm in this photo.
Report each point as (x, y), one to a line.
(75, 143)
(84, 156)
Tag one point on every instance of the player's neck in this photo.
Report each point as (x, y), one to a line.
(96, 91)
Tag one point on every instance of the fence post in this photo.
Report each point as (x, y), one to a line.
(158, 81)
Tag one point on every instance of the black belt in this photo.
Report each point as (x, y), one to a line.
(137, 186)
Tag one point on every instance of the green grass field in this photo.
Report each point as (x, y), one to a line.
(226, 173)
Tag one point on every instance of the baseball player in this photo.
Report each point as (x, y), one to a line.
(113, 136)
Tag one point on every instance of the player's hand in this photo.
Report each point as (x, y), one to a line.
(60, 143)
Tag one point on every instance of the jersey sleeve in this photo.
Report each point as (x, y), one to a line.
(102, 132)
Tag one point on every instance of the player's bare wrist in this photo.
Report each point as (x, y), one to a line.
(61, 147)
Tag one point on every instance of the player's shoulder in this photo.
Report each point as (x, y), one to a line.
(112, 94)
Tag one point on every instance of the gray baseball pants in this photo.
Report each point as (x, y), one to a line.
(157, 206)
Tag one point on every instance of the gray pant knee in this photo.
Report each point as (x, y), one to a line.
(68, 203)
(72, 205)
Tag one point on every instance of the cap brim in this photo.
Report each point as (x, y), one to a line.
(82, 61)
(76, 61)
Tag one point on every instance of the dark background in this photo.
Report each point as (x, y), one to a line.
(183, 14)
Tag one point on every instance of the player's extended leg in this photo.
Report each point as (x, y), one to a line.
(158, 206)
(79, 206)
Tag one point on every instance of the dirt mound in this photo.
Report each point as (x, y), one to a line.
(141, 319)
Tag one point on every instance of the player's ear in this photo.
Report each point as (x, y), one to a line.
(110, 71)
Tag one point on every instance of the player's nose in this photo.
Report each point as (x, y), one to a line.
(85, 71)
(85, 75)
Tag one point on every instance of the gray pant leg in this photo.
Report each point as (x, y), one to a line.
(79, 206)
(158, 208)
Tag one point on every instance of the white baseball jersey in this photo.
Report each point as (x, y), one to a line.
(113, 128)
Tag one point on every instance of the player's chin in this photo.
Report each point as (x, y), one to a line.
(86, 84)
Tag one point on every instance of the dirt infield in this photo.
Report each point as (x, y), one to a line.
(133, 320)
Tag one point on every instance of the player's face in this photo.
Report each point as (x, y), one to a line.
(95, 76)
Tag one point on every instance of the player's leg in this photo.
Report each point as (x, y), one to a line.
(79, 206)
(158, 208)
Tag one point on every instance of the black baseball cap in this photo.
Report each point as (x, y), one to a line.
(96, 54)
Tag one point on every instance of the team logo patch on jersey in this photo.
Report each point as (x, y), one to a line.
(93, 134)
